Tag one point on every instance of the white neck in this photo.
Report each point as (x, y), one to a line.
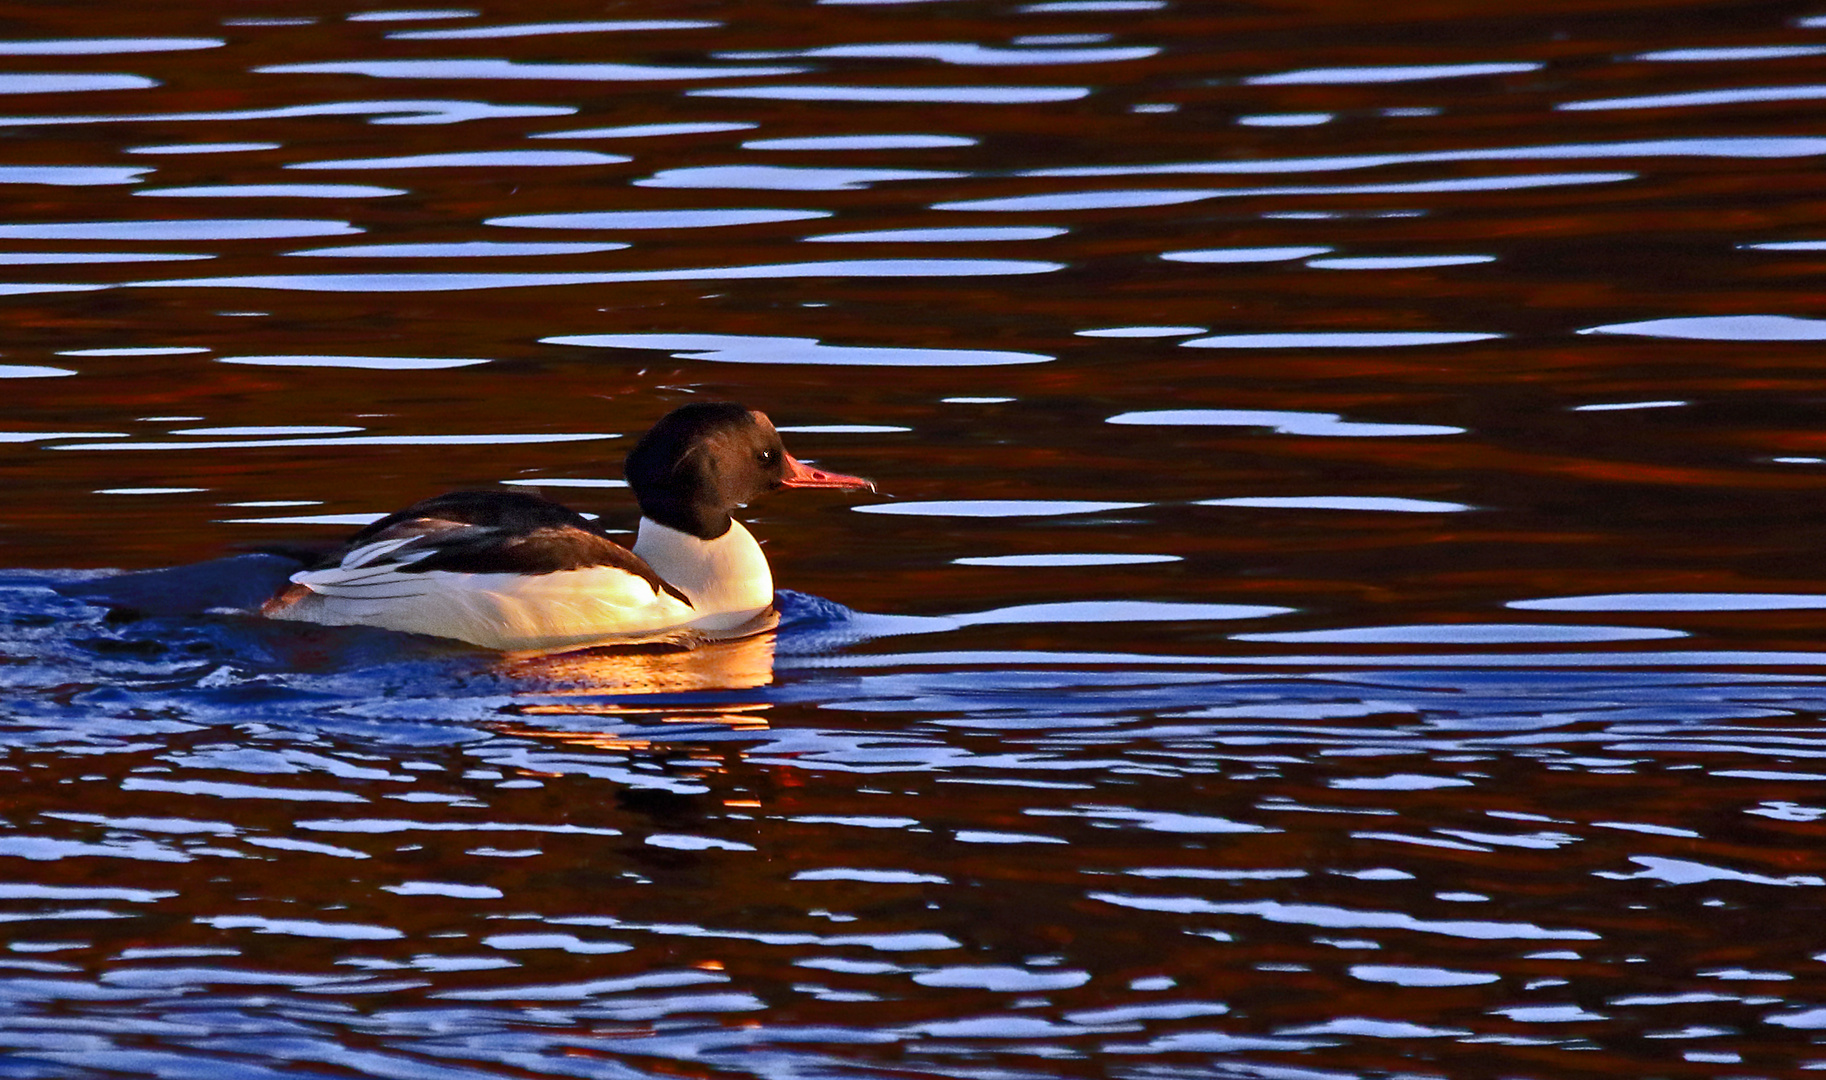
(728, 575)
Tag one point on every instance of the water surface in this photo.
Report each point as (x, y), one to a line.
(1344, 600)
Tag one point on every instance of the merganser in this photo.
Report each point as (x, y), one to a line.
(513, 571)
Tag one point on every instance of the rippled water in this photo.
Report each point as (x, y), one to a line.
(1344, 603)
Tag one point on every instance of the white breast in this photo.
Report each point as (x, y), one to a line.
(727, 578)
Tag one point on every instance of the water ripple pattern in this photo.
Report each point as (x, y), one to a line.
(1341, 595)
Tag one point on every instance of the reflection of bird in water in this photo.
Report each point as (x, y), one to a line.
(585, 698)
(742, 663)
(514, 571)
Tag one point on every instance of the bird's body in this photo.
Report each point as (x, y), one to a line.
(513, 571)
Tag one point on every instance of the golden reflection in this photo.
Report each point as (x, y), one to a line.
(743, 663)
(589, 740)
(621, 741)
(732, 664)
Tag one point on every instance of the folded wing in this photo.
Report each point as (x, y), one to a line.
(503, 570)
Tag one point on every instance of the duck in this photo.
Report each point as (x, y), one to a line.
(516, 572)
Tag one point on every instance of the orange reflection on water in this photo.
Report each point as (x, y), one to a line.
(742, 663)
(736, 664)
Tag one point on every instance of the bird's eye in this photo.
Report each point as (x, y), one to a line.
(768, 457)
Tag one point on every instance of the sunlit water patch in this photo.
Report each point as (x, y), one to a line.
(1141, 331)
(1373, 503)
(941, 236)
(415, 111)
(65, 258)
(274, 191)
(540, 29)
(452, 282)
(653, 219)
(537, 159)
(49, 83)
(371, 363)
(862, 142)
(105, 46)
(959, 52)
(180, 229)
(1467, 634)
(1723, 328)
(1119, 199)
(1388, 74)
(749, 349)
(1065, 559)
(1326, 425)
(1397, 262)
(997, 508)
(1272, 120)
(1244, 255)
(467, 249)
(9, 289)
(959, 95)
(1677, 602)
(786, 177)
(1628, 406)
(203, 148)
(507, 439)
(648, 131)
(488, 69)
(138, 350)
(1356, 339)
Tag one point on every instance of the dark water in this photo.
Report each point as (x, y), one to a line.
(1346, 602)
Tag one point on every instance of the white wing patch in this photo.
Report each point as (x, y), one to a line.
(368, 554)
